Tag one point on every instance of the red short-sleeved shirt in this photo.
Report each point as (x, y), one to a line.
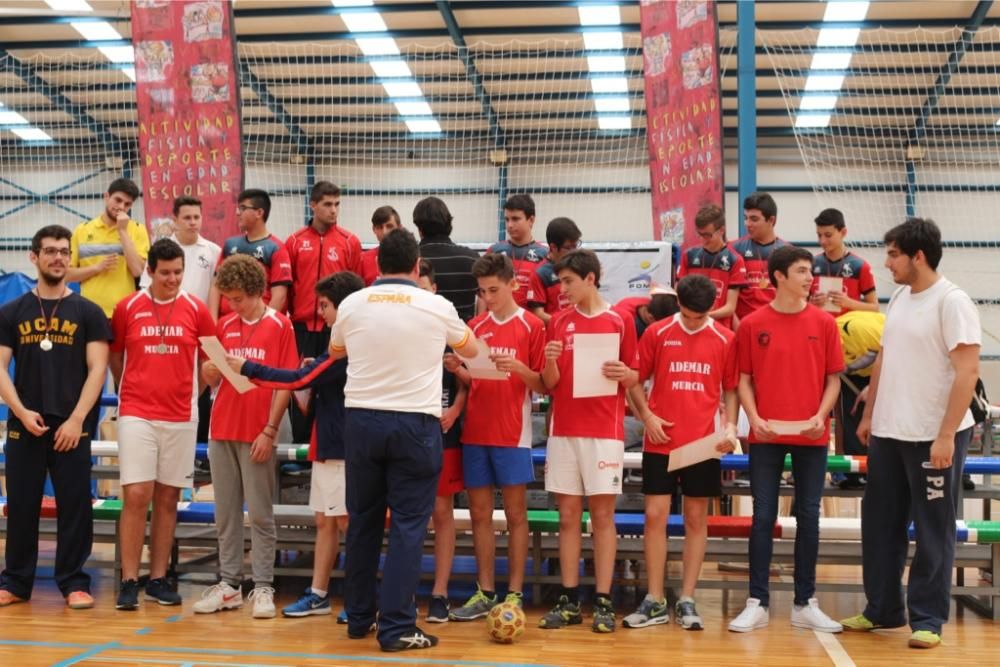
(272, 255)
(597, 416)
(690, 369)
(269, 341)
(155, 385)
(724, 268)
(853, 270)
(498, 412)
(789, 356)
(369, 266)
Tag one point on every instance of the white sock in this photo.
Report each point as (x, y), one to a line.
(319, 592)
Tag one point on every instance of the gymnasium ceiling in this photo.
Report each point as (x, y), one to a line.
(909, 57)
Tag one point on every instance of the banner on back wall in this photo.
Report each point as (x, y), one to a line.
(680, 46)
(187, 95)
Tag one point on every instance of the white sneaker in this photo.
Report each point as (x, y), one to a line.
(263, 602)
(812, 617)
(752, 617)
(218, 598)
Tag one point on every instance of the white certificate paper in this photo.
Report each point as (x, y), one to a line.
(828, 285)
(700, 450)
(590, 351)
(217, 355)
(787, 428)
(480, 367)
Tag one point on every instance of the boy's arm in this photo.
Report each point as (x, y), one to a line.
(320, 371)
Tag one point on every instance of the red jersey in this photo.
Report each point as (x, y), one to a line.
(690, 369)
(369, 266)
(789, 356)
(545, 290)
(725, 268)
(269, 341)
(596, 416)
(853, 270)
(526, 258)
(314, 256)
(758, 290)
(499, 412)
(160, 341)
(272, 255)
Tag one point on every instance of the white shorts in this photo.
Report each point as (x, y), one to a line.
(584, 466)
(327, 488)
(156, 451)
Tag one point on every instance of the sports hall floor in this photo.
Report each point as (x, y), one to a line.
(44, 632)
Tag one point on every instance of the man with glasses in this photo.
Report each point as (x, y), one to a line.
(545, 297)
(715, 260)
(60, 343)
(253, 210)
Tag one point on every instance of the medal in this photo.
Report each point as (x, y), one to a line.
(161, 348)
(46, 344)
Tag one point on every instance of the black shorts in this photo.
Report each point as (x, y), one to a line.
(702, 480)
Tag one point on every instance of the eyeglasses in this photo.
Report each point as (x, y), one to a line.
(52, 252)
(566, 247)
(241, 208)
(707, 235)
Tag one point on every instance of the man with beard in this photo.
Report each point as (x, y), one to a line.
(60, 343)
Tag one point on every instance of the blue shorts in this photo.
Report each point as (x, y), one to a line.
(487, 465)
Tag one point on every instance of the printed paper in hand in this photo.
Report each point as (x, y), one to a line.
(480, 367)
(830, 285)
(700, 450)
(590, 351)
(217, 355)
(788, 428)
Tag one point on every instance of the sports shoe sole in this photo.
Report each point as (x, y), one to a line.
(697, 625)
(167, 603)
(656, 620)
(756, 626)
(808, 626)
(915, 643)
(575, 620)
(127, 607)
(320, 611)
(438, 619)
(264, 614)
(225, 607)
(463, 619)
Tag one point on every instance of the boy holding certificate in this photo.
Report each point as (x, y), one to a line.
(691, 360)
(586, 447)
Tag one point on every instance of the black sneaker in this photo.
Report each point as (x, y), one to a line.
(160, 590)
(354, 634)
(438, 609)
(410, 641)
(128, 595)
(967, 482)
(604, 615)
(563, 614)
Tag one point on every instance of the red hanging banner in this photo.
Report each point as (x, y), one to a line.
(187, 95)
(680, 46)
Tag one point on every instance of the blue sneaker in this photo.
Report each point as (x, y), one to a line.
(309, 604)
(342, 617)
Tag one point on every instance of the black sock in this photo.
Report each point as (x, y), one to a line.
(606, 596)
(572, 594)
(490, 594)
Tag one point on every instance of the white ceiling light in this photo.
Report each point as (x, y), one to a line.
(96, 31)
(129, 72)
(118, 54)
(423, 125)
(824, 81)
(390, 68)
(378, 46)
(603, 40)
(612, 104)
(413, 108)
(606, 63)
(69, 5)
(31, 134)
(364, 22)
(352, 3)
(609, 84)
(402, 89)
(614, 122)
(812, 120)
(838, 37)
(831, 61)
(599, 15)
(817, 102)
(846, 11)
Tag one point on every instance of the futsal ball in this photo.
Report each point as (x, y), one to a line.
(505, 622)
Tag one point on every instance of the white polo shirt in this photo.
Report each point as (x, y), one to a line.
(395, 334)
(917, 374)
(200, 260)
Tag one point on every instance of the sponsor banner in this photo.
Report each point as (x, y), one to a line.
(680, 46)
(187, 95)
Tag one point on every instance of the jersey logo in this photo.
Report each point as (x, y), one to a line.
(816, 269)
(332, 255)
(141, 314)
(748, 253)
(672, 343)
(233, 250)
(258, 253)
(696, 261)
(570, 327)
(305, 245)
(203, 262)
(532, 256)
(847, 271)
(724, 262)
(763, 339)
